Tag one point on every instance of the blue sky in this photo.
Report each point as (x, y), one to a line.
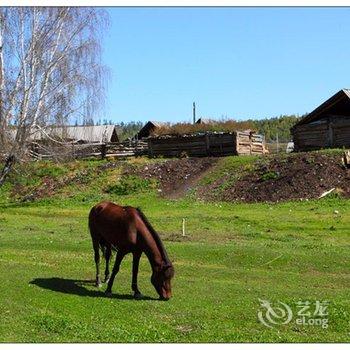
(238, 63)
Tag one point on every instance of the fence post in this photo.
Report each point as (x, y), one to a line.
(250, 142)
(150, 150)
(207, 143)
(103, 150)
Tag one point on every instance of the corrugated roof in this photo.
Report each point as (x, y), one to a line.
(91, 133)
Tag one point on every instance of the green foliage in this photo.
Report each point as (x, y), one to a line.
(269, 127)
(129, 129)
(232, 166)
(270, 175)
(131, 184)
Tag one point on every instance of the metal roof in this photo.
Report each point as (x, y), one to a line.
(93, 133)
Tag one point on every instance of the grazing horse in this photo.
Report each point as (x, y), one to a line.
(127, 230)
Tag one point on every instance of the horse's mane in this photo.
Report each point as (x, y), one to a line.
(155, 236)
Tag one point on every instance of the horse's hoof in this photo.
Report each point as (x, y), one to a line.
(138, 296)
(108, 293)
(98, 285)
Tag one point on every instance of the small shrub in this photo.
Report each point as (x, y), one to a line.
(131, 184)
(270, 175)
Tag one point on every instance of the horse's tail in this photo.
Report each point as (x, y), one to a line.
(155, 236)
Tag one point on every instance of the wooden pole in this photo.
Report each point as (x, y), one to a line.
(194, 113)
(103, 150)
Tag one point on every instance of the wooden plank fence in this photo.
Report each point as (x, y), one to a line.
(88, 150)
(194, 145)
(206, 144)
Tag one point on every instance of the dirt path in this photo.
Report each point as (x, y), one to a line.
(176, 176)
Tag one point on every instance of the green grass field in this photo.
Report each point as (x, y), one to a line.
(233, 255)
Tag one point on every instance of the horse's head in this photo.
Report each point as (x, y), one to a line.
(161, 280)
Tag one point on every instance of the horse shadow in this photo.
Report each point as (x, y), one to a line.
(78, 287)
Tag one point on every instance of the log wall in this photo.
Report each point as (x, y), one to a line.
(330, 132)
(208, 144)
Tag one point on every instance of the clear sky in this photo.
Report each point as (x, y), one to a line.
(234, 62)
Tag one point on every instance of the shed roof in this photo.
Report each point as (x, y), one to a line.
(339, 103)
(205, 121)
(148, 128)
(93, 133)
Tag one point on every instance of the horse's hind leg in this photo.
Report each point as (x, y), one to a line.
(108, 253)
(96, 247)
(118, 260)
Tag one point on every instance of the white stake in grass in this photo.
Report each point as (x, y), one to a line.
(183, 228)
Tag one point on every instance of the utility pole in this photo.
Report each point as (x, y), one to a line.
(194, 113)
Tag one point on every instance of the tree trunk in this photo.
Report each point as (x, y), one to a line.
(10, 161)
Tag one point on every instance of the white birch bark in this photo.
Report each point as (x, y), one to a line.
(50, 71)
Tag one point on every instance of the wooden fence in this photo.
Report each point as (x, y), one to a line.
(207, 144)
(195, 145)
(88, 150)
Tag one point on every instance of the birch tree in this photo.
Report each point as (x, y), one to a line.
(50, 72)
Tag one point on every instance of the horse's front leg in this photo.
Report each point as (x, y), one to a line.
(108, 253)
(135, 270)
(118, 260)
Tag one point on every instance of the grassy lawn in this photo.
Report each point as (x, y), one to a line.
(233, 256)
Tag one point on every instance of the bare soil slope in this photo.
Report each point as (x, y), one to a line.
(176, 177)
(271, 179)
(298, 176)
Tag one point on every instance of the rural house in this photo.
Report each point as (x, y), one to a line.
(326, 127)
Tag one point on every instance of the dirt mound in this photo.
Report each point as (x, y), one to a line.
(176, 176)
(266, 179)
(297, 176)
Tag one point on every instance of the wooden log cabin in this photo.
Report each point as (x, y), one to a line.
(328, 126)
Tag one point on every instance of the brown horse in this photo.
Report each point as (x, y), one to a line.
(127, 230)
